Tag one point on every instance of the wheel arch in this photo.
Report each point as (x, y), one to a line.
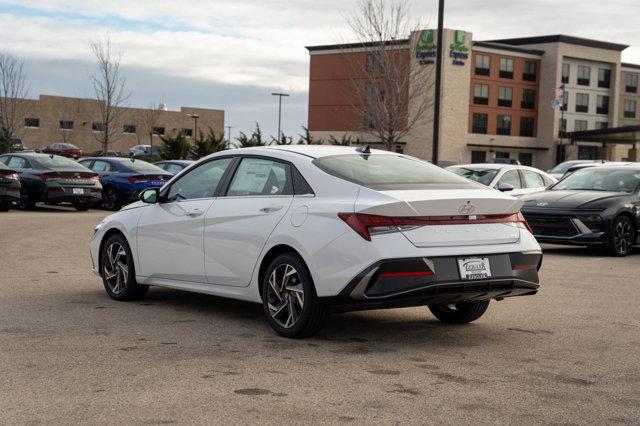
(271, 254)
(108, 234)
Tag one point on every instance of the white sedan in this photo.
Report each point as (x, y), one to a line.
(517, 180)
(308, 230)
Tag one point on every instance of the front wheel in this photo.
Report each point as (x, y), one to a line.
(289, 298)
(118, 271)
(459, 313)
(622, 237)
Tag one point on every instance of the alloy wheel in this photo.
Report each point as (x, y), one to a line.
(110, 199)
(116, 268)
(285, 295)
(623, 236)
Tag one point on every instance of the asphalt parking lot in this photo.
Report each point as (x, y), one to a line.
(69, 354)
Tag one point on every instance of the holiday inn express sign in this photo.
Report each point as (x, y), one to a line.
(426, 49)
(458, 50)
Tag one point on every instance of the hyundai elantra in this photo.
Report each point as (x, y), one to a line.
(310, 230)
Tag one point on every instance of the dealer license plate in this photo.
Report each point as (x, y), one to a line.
(474, 268)
(78, 191)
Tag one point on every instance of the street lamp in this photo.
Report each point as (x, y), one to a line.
(229, 135)
(438, 89)
(195, 125)
(279, 95)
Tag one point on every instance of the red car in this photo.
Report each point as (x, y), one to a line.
(64, 149)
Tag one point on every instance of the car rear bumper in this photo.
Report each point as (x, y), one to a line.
(11, 193)
(394, 283)
(67, 195)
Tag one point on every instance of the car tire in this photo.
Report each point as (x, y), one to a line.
(622, 238)
(26, 201)
(459, 313)
(110, 199)
(118, 271)
(289, 298)
(5, 207)
(82, 207)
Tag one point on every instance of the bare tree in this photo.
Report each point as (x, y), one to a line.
(13, 103)
(150, 118)
(383, 83)
(109, 89)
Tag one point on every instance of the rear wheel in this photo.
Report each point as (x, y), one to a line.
(110, 199)
(5, 206)
(289, 298)
(118, 271)
(459, 313)
(26, 201)
(622, 237)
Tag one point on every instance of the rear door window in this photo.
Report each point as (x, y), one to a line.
(259, 176)
(102, 166)
(532, 179)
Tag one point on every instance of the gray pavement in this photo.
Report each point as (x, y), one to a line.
(69, 354)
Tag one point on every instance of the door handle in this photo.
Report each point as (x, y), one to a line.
(194, 212)
(271, 209)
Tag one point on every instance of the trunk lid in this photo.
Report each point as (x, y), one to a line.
(438, 203)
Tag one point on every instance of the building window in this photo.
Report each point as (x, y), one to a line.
(602, 106)
(187, 132)
(158, 130)
(528, 99)
(369, 120)
(582, 102)
(504, 125)
(373, 63)
(602, 125)
(629, 108)
(566, 72)
(525, 158)
(478, 156)
(399, 149)
(604, 77)
(32, 122)
(503, 155)
(505, 96)
(584, 75)
(481, 94)
(480, 122)
(66, 125)
(129, 128)
(506, 68)
(97, 127)
(371, 92)
(526, 126)
(631, 83)
(562, 127)
(580, 125)
(565, 100)
(529, 71)
(483, 64)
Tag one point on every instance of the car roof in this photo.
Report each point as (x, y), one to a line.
(175, 161)
(497, 166)
(313, 151)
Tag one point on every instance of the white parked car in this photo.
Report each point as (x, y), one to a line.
(308, 230)
(515, 179)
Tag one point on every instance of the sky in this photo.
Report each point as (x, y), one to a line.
(231, 54)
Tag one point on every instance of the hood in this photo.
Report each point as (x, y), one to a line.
(567, 199)
(135, 205)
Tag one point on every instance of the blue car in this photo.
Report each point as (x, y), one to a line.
(123, 179)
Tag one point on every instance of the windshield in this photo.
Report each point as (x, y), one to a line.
(483, 176)
(563, 167)
(140, 166)
(600, 179)
(389, 172)
(57, 161)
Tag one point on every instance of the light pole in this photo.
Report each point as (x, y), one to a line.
(279, 95)
(195, 125)
(436, 101)
(229, 135)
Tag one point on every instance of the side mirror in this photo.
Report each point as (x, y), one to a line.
(150, 196)
(505, 187)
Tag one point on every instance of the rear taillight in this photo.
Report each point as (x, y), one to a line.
(49, 176)
(137, 179)
(10, 176)
(367, 225)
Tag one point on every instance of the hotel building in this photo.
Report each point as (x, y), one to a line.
(496, 98)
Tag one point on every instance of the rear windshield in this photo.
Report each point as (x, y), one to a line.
(139, 166)
(390, 172)
(57, 162)
(483, 176)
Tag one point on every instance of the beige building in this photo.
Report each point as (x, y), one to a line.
(497, 97)
(57, 119)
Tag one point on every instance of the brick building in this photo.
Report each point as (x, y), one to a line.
(57, 119)
(496, 97)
